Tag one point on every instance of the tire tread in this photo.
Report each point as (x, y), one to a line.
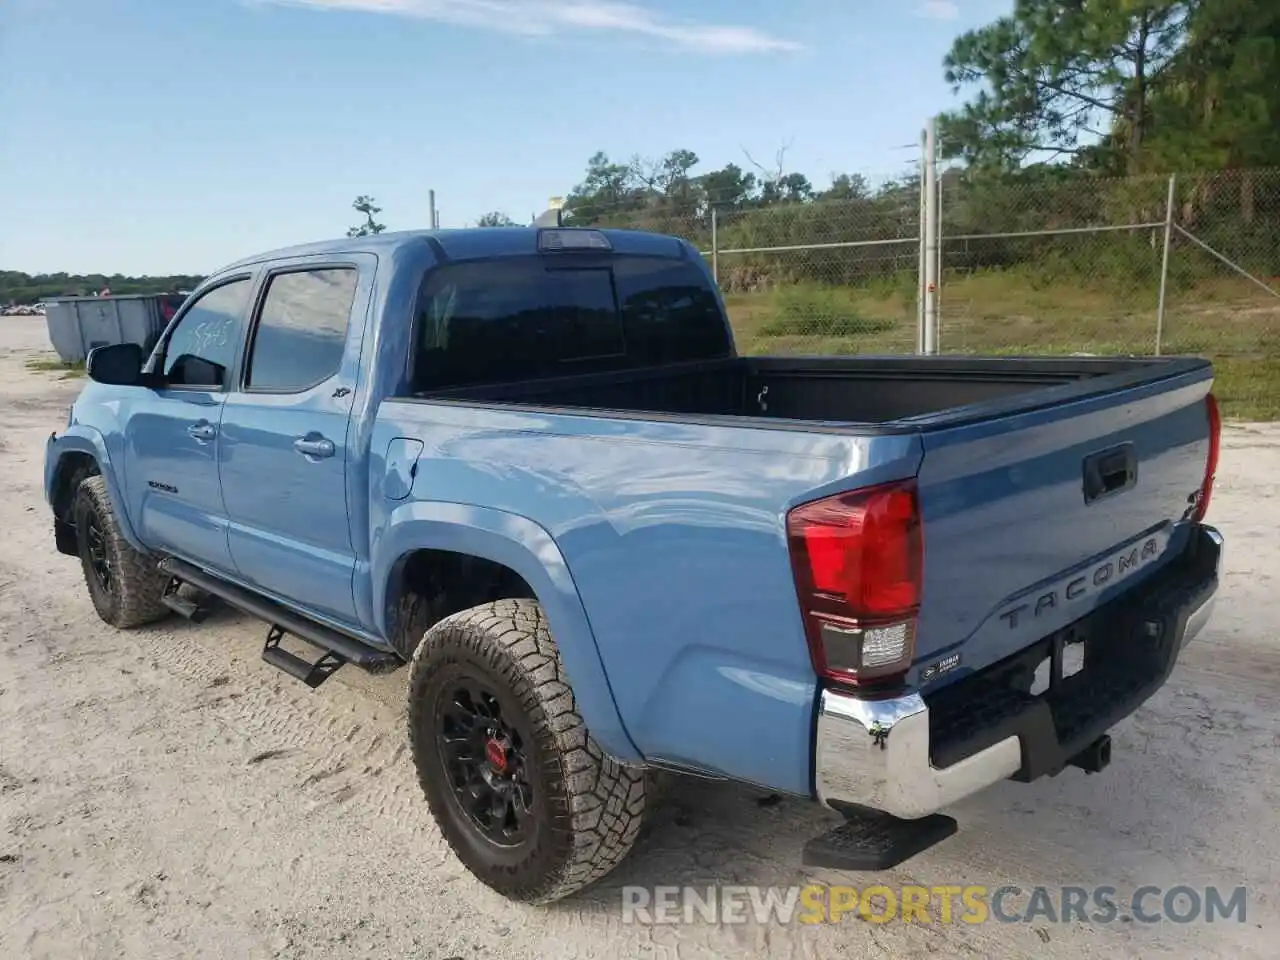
(141, 585)
(605, 798)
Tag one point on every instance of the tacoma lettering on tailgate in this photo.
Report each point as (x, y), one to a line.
(1090, 580)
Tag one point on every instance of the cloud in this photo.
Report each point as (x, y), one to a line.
(939, 10)
(550, 17)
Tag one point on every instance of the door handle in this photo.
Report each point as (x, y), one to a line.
(202, 431)
(314, 447)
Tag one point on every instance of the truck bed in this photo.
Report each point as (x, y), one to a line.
(906, 392)
(667, 490)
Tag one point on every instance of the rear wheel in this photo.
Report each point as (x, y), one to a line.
(524, 796)
(123, 583)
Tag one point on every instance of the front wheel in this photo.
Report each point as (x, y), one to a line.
(124, 584)
(522, 793)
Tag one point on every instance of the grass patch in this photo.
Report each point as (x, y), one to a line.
(825, 326)
(807, 318)
(820, 312)
(69, 370)
(1248, 388)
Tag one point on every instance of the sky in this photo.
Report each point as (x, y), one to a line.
(158, 137)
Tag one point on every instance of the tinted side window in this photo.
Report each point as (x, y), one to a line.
(202, 349)
(302, 329)
(515, 320)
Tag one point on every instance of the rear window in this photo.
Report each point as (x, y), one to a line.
(532, 317)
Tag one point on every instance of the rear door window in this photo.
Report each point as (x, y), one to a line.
(302, 329)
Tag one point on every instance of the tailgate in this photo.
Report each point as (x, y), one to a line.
(1033, 519)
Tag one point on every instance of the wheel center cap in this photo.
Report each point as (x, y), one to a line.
(495, 751)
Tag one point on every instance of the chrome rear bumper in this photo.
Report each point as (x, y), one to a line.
(876, 753)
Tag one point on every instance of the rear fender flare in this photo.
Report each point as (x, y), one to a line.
(527, 548)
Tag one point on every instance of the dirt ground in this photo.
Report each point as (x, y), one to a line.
(163, 793)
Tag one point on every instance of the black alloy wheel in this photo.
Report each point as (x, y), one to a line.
(486, 760)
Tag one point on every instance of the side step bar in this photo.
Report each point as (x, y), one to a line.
(311, 673)
(193, 610)
(339, 648)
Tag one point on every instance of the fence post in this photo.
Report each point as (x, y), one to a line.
(920, 270)
(715, 247)
(1164, 260)
(930, 187)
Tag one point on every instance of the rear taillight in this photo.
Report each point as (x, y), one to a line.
(857, 559)
(1211, 461)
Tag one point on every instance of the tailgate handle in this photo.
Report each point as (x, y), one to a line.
(1109, 472)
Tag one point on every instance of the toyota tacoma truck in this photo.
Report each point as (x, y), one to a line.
(530, 464)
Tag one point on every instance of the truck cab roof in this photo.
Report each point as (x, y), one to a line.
(473, 243)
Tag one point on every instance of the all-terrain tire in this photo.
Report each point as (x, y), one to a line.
(130, 595)
(587, 807)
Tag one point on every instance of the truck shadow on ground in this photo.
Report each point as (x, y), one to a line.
(701, 833)
(1067, 830)
(1071, 829)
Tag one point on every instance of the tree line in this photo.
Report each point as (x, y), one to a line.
(1113, 92)
(1075, 113)
(1108, 88)
(26, 288)
(1119, 86)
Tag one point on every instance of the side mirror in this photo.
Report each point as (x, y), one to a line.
(192, 371)
(118, 363)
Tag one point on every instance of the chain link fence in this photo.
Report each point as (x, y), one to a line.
(827, 276)
(1066, 263)
(1223, 284)
(1050, 267)
(1047, 262)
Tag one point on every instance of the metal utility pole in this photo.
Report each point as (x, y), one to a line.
(432, 214)
(930, 189)
(920, 272)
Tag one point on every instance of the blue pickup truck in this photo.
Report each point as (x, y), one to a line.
(530, 464)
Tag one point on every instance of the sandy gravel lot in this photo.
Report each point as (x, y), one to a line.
(163, 793)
